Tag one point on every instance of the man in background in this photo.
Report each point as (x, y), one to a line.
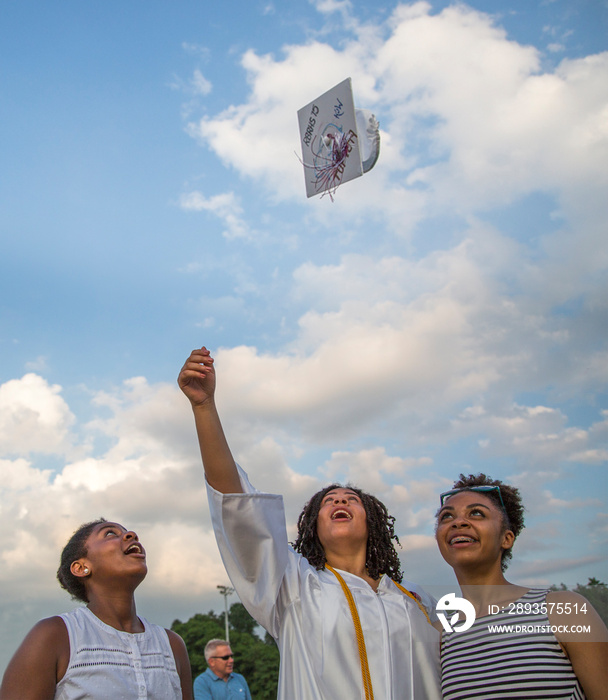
(219, 682)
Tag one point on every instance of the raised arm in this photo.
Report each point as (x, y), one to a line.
(197, 381)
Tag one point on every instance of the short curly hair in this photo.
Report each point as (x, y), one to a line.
(381, 556)
(513, 512)
(75, 549)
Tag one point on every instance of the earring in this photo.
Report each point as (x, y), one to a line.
(86, 571)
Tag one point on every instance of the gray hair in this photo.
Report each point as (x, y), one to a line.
(212, 645)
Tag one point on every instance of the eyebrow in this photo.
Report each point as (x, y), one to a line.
(471, 505)
(107, 526)
(346, 493)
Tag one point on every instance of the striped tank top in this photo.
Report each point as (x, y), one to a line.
(522, 663)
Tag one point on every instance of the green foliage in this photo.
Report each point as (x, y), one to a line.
(596, 582)
(240, 620)
(254, 658)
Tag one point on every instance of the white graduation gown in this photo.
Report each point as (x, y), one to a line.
(306, 611)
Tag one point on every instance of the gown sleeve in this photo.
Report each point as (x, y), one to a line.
(252, 538)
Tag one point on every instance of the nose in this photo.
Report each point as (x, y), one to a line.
(130, 535)
(340, 499)
(460, 521)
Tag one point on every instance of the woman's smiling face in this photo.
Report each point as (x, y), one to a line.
(471, 531)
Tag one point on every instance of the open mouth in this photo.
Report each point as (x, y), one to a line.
(341, 514)
(462, 539)
(134, 548)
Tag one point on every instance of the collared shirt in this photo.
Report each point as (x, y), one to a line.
(307, 613)
(208, 686)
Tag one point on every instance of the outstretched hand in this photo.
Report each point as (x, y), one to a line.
(197, 377)
(197, 381)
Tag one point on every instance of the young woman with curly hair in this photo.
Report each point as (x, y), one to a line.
(343, 627)
(524, 642)
(102, 649)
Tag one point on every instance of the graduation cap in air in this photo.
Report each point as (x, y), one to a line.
(339, 142)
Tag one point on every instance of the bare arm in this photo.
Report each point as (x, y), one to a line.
(38, 664)
(587, 649)
(197, 381)
(182, 663)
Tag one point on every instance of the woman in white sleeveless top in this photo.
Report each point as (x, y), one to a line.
(103, 651)
(523, 643)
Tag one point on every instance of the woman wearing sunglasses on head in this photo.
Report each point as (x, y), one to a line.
(525, 643)
(344, 625)
(102, 650)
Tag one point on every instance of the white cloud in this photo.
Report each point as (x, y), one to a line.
(148, 477)
(329, 6)
(225, 206)
(369, 468)
(537, 434)
(200, 84)
(33, 417)
(469, 120)
(37, 365)
(19, 476)
(194, 49)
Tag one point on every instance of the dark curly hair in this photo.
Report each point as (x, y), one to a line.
(513, 512)
(75, 549)
(381, 556)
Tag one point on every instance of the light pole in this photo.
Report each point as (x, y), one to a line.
(226, 591)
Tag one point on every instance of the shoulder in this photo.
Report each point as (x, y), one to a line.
(175, 639)
(203, 678)
(51, 635)
(43, 658)
(51, 630)
(182, 661)
(566, 597)
(178, 646)
(565, 606)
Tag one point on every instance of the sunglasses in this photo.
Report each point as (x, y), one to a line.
(224, 658)
(480, 489)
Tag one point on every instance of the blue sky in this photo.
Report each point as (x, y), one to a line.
(446, 313)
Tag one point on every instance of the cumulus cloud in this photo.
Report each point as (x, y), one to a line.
(33, 417)
(488, 124)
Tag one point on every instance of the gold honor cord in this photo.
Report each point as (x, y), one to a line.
(367, 681)
(413, 597)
